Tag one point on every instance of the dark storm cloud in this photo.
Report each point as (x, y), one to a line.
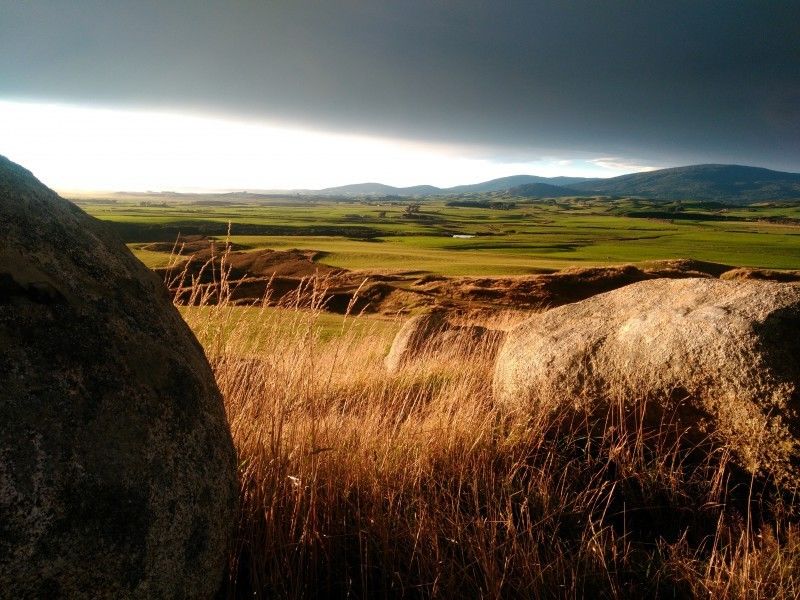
(667, 82)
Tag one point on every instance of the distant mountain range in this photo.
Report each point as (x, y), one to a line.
(377, 189)
(493, 185)
(730, 184)
(734, 184)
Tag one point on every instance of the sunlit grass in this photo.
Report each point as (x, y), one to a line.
(357, 483)
(251, 321)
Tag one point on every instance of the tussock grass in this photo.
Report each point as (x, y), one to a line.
(356, 483)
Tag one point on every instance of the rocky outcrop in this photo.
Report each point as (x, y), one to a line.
(117, 470)
(432, 334)
(721, 357)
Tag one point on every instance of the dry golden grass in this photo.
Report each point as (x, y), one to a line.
(355, 483)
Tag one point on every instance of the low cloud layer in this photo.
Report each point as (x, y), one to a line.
(646, 83)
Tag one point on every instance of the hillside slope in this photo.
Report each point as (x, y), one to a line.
(505, 183)
(727, 183)
(543, 190)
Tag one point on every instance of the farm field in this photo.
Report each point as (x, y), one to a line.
(523, 237)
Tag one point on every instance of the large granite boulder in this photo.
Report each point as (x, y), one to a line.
(431, 335)
(718, 358)
(117, 470)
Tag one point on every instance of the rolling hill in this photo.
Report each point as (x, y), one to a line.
(377, 189)
(734, 184)
(507, 183)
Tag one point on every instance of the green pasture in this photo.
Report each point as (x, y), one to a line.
(255, 329)
(154, 260)
(531, 236)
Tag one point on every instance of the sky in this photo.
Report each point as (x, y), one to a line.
(294, 94)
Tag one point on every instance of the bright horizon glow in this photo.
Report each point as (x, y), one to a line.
(73, 148)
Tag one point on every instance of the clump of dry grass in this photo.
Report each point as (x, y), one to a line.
(355, 483)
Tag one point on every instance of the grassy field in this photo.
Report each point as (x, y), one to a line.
(243, 326)
(532, 235)
(357, 483)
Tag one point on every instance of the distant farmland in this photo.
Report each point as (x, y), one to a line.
(511, 236)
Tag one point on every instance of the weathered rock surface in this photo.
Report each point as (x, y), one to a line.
(431, 334)
(722, 357)
(117, 470)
